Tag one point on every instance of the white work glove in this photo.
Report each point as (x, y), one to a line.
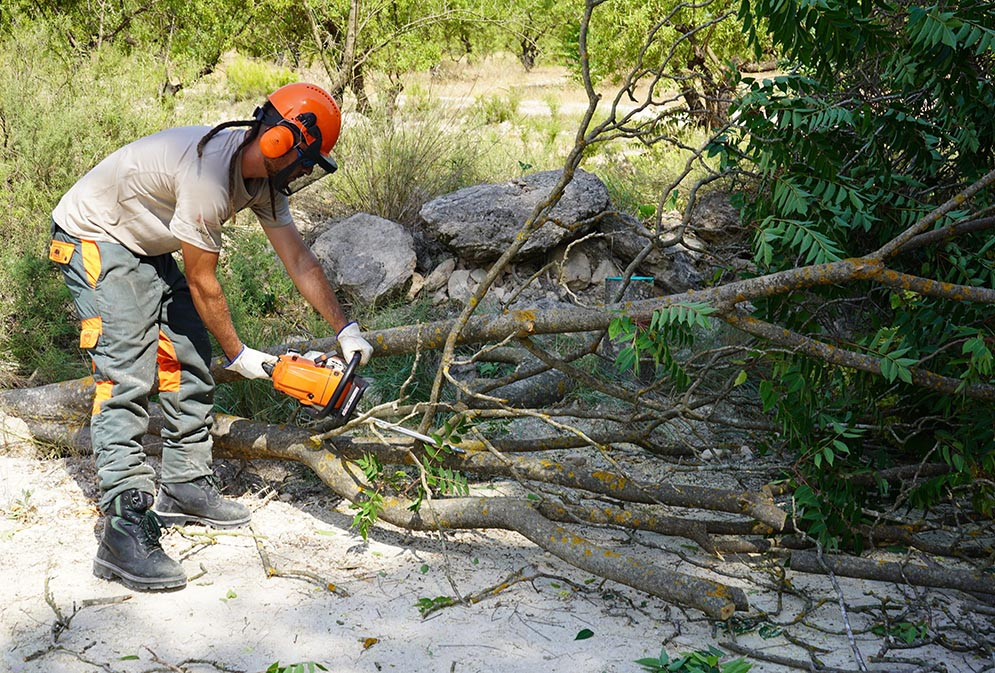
(350, 343)
(249, 363)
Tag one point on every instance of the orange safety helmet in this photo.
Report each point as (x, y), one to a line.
(304, 117)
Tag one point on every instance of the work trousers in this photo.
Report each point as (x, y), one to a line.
(137, 322)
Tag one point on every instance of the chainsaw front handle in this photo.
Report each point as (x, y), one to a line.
(346, 376)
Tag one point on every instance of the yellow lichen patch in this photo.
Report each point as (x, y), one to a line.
(614, 482)
(718, 591)
(524, 316)
(622, 517)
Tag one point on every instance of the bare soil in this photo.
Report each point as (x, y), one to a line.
(352, 605)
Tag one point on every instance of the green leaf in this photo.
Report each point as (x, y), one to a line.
(584, 634)
(740, 378)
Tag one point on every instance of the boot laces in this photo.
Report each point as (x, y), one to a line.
(151, 527)
(213, 481)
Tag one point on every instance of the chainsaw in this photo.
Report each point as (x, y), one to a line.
(322, 382)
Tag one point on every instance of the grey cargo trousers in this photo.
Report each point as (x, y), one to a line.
(138, 321)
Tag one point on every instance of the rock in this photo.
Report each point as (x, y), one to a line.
(367, 257)
(460, 286)
(478, 275)
(417, 283)
(479, 223)
(672, 269)
(605, 269)
(576, 270)
(715, 220)
(440, 275)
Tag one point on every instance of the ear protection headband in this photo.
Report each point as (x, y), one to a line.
(286, 134)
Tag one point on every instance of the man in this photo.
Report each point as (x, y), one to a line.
(114, 233)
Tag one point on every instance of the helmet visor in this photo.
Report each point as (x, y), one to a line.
(309, 167)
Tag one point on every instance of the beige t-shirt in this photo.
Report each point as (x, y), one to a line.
(155, 192)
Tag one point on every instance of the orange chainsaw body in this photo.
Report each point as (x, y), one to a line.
(324, 386)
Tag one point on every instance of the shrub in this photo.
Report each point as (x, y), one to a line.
(251, 79)
(390, 167)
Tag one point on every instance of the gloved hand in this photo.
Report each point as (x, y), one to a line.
(249, 363)
(350, 343)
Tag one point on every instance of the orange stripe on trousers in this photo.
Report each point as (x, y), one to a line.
(103, 393)
(91, 261)
(169, 365)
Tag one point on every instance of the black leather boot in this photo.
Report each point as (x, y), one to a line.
(130, 551)
(199, 501)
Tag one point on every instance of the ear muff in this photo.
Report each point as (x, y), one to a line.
(278, 140)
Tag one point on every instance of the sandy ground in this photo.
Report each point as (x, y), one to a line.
(232, 617)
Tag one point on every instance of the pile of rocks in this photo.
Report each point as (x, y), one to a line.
(460, 235)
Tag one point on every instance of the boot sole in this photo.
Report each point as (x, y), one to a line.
(109, 571)
(172, 519)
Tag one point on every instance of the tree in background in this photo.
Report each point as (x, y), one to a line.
(692, 47)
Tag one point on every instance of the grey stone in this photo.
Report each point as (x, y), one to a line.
(715, 220)
(479, 223)
(440, 275)
(672, 269)
(460, 285)
(367, 257)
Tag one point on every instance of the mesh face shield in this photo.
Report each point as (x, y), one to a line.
(309, 167)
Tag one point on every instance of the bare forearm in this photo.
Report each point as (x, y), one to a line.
(209, 299)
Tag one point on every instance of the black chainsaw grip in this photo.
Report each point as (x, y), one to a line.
(347, 375)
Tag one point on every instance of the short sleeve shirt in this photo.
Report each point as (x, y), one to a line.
(155, 193)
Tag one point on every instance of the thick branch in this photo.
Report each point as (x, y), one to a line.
(901, 573)
(844, 358)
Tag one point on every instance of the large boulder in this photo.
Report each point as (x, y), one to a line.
(479, 223)
(366, 257)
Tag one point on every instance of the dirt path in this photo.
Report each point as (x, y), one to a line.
(232, 617)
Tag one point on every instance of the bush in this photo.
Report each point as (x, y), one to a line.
(495, 108)
(390, 167)
(251, 79)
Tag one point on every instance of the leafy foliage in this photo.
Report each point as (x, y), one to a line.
(699, 661)
(434, 477)
(669, 328)
(303, 667)
(885, 114)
